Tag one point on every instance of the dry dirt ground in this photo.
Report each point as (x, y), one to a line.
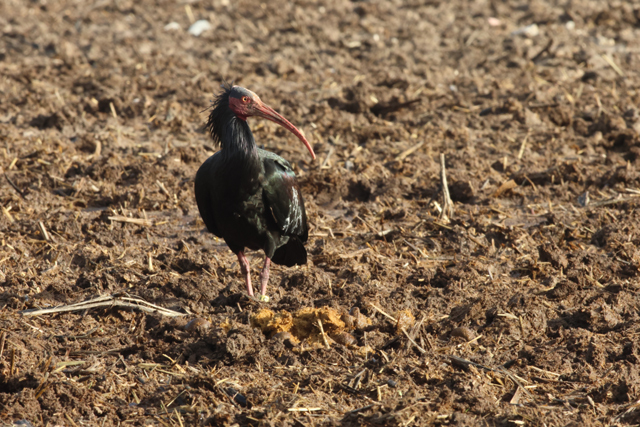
(522, 310)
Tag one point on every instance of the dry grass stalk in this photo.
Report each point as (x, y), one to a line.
(137, 221)
(388, 316)
(324, 336)
(43, 230)
(612, 64)
(408, 152)
(14, 186)
(523, 146)
(422, 350)
(6, 213)
(3, 338)
(116, 300)
(447, 204)
(163, 189)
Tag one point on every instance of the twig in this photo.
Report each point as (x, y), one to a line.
(522, 146)
(408, 152)
(544, 49)
(138, 221)
(364, 408)
(613, 65)
(3, 337)
(388, 316)
(13, 361)
(404, 331)
(164, 189)
(324, 336)
(304, 409)
(15, 187)
(447, 205)
(106, 301)
(43, 230)
(613, 201)
(326, 159)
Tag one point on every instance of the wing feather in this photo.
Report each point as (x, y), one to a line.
(283, 198)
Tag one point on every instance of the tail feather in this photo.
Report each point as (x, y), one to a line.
(290, 254)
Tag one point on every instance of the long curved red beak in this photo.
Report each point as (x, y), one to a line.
(266, 112)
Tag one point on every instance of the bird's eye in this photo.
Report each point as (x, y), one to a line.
(245, 99)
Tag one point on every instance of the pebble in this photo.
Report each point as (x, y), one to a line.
(199, 27)
(466, 333)
(197, 324)
(528, 31)
(345, 339)
(172, 26)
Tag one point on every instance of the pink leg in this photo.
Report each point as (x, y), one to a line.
(264, 276)
(246, 271)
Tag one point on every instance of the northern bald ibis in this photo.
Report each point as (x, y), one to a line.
(249, 196)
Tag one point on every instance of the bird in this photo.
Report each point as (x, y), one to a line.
(249, 196)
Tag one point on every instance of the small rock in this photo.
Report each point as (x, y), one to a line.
(392, 383)
(345, 339)
(199, 27)
(198, 324)
(465, 333)
(172, 26)
(528, 31)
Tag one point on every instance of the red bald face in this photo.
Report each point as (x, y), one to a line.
(245, 103)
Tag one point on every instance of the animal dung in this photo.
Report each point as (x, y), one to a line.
(303, 326)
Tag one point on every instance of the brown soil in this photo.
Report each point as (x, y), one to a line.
(523, 310)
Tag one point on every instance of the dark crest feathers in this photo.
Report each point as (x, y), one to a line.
(219, 112)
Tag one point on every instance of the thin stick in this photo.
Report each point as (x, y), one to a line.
(404, 331)
(3, 337)
(163, 189)
(43, 230)
(106, 301)
(447, 204)
(408, 152)
(522, 146)
(13, 361)
(388, 316)
(138, 221)
(326, 159)
(613, 65)
(304, 409)
(15, 187)
(324, 336)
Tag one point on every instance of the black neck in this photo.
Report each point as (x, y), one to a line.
(238, 147)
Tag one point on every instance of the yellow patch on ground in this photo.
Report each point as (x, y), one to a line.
(303, 324)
